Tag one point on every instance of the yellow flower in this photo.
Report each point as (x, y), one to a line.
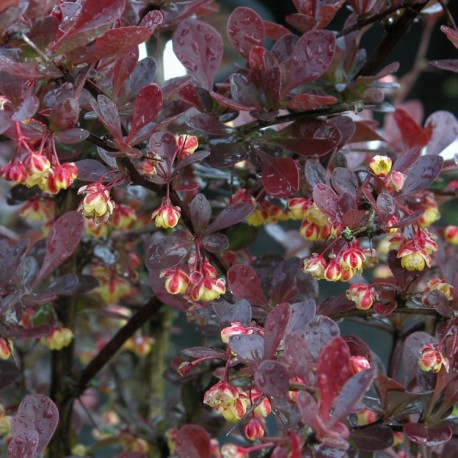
(381, 165)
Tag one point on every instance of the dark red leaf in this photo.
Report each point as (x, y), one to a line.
(207, 124)
(442, 127)
(107, 112)
(229, 313)
(123, 68)
(248, 347)
(10, 259)
(353, 218)
(332, 373)
(412, 134)
(307, 102)
(229, 216)
(272, 378)
(411, 350)
(215, 243)
(426, 435)
(26, 70)
(165, 145)
(283, 48)
(192, 442)
(35, 332)
(37, 413)
(200, 213)
(143, 75)
(64, 236)
(280, 176)
(235, 104)
(386, 206)
(451, 34)
(244, 283)
(365, 132)
(147, 106)
(351, 394)
(26, 109)
(422, 174)
(344, 181)
(130, 455)
(244, 93)
(301, 22)
(95, 17)
(245, 29)
(315, 173)
(199, 47)
(295, 355)
(312, 55)
(306, 137)
(372, 438)
(120, 41)
(198, 156)
(274, 30)
(66, 285)
(275, 327)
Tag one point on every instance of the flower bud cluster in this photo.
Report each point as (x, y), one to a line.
(58, 338)
(167, 215)
(415, 253)
(97, 204)
(112, 287)
(200, 284)
(429, 205)
(139, 345)
(451, 234)
(264, 211)
(362, 295)
(5, 348)
(342, 266)
(437, 284)
(233, 402)
(36, 170)
(38, 211)
(431, 359)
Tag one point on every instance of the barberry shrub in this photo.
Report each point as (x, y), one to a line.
(292, 211)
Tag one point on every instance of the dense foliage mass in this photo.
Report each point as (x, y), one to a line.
(268, 204)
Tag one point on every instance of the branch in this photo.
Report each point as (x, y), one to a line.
(144, 314)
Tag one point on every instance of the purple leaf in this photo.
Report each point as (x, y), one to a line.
(244, 92)
(229, 313)
(344, 181)
(332, 373)
(422, 174)
(386, 206)
(26, 109)
(428, 435)
(147, 106)
(90, 170)
(443, 129)
(71, 136)
(226, 153)
(10, 259)
(372, 438)
(95, 17)
(272, 378)
(312, 55)
(192, 442)
(203, 352)
(23, 445)
(301, 314)
(234, 104)
(315, 173)
(63, 238)
(326, 200)
(280, 176)
(26, 70)
(353, 218)
(65, 285)
(411, 350)
(229, 216)
(19, 332)
(284, 46)
(318, 332)
(284, 287)
(275, 327)
(164, 144)
(199, 47)
(244, 283)
(9, 373)
(245, 29)
(351, 394)
(143, 75)
(200, 213)
(215, 243)
(198, 156)
(107, 112)
(37, 413)
(207, 124)
(406, 159)
(307, 102)
(295, 355)
(168, 252)
(446, 64)
(248, 347)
